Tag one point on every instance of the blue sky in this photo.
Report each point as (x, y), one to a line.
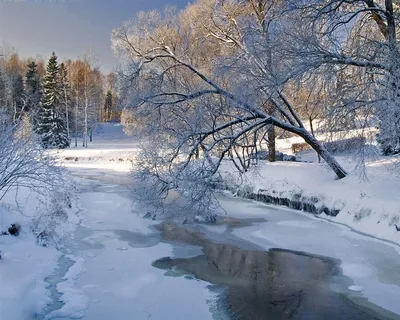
(69, 27)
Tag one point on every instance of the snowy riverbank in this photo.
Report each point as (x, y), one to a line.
(371, 207)
(25, 263)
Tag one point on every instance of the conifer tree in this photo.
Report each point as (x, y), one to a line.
(18, 97)
(107, 106)
(33, 91)
(52, 127)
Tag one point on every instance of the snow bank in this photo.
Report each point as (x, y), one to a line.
(25, 264)
(23, 268)
(371, 207)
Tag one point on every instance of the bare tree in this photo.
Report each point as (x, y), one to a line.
(243, 78)
(206, 85)
(24, 163)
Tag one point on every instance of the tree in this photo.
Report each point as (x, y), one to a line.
(51, 126)
(24, 163)
(207, 84)
(18, 97)
(243, 77)
(33, 92)
(65, 95)
(364, 34)
(86, 83)
(108, 102)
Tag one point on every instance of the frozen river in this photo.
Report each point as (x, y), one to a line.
(118, 265)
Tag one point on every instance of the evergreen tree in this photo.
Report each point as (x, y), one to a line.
(18, 97)
(33, 91)
(107, 106)
(52, 127)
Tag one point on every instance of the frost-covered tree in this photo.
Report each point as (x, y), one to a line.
(357, 40)
(52, 125)
(206, 84)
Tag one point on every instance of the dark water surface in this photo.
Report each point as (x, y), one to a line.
(275, 284)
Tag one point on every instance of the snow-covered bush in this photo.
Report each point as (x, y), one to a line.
(179, 187)
(28, 172)
(24, 163)
(48, 227)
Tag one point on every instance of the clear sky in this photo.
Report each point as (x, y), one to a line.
(69, 27)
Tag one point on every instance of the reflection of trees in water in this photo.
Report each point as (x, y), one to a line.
(249, 304)
(274, 283)
(277, 284)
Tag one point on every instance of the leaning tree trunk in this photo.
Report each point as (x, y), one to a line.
(313, 143)
(324, 154)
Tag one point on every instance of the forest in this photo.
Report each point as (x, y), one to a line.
(57, 101)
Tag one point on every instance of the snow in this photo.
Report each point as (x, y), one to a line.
(355, 288)
(371, 207)
(110, 145)
(23, 267)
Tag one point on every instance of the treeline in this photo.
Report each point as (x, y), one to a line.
(61, 102)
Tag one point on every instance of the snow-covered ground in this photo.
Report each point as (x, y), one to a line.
(104, 267)
(371, 207)
(25, 265)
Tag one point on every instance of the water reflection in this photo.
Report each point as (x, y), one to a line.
(278, 284)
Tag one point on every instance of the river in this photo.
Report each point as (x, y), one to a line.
(118, 265)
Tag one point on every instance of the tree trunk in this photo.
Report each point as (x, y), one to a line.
(90, 135)
(66, 110)
(271, 144)
(76, 120)
(324, 154)
(313, 143)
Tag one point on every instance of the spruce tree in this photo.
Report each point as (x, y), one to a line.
(52, 127)
(33, 92)
(108, 106)
(18, 97)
